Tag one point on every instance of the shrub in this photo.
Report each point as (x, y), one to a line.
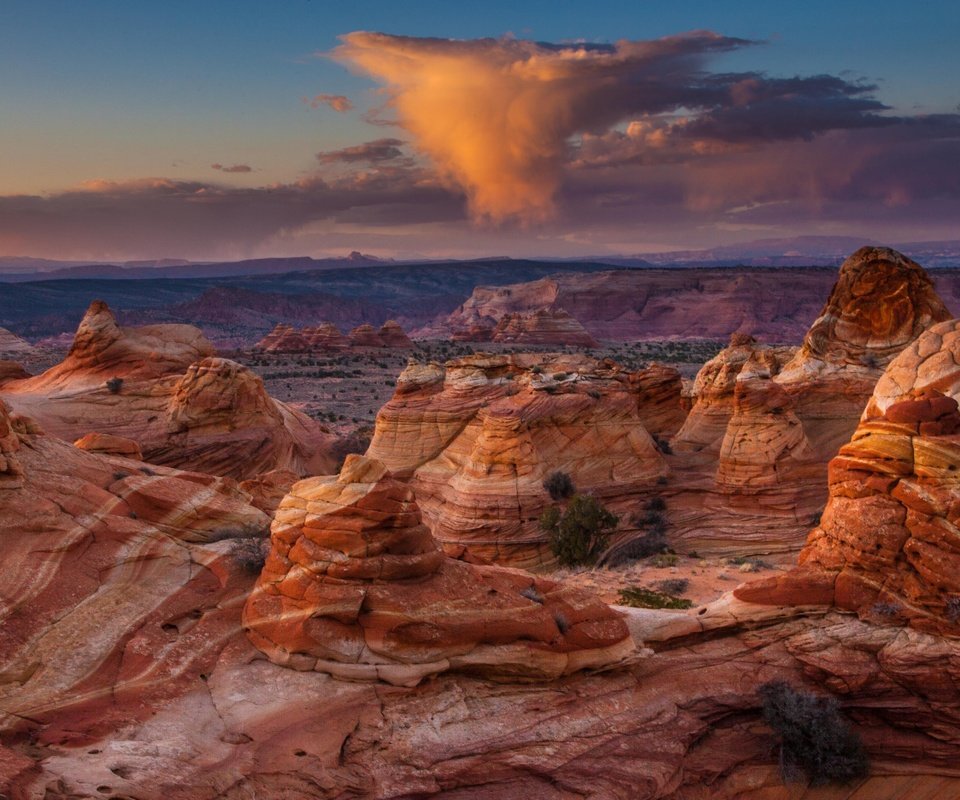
(663, 445)
(639, 597)
(578, 534)
(656, 504)
(885, 609)
(815, 739)
(531, 593)
(563, 624)
(559, 485)
(953, 610)
(664, 560)
(674, 586)
(114, 385)
(250, 553)
(641, 547)
(559, 376)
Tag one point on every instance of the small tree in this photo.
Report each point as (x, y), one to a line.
(114, 385)
(559, 485)
(815, 739)
(578, 534)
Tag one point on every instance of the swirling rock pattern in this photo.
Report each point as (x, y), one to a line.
(161, 387)
(355, 585)
(478, 435)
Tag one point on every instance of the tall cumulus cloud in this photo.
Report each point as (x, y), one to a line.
(502, 118)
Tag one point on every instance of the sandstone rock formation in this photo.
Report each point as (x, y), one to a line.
(287, 339)
(751, 457)
(356, 586)
(97, 552)
(656, 303)
(110, 445)
(392, 335)
(160, 387)
(542, 327)
(478, 436)
(365, 336)
(12, 345)
(886, 545)
(12, 371)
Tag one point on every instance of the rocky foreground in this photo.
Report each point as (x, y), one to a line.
(147, 651)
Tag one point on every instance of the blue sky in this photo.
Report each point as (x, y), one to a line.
(115, 90)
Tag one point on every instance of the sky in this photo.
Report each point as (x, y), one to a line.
(221, 130)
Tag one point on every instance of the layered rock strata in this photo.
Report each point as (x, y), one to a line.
(478, 436)
(161, 387)
(356, 586)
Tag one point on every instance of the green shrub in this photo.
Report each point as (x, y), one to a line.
(639, 597)
(559, 485)
(578, 534)
(815, 739)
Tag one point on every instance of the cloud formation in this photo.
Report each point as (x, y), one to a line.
(232, 168)
(379, 150)
(337, 102)
(499, 116)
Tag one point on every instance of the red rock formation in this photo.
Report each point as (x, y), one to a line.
(365, 336)
(356, 586)
(146, 384)
(12, 371)
(269, 488)
(13, 345)
(542, 327)
(102, 350)
(885, 546)
(97, 552)
(473, 333)
(752, 455)
(479, 435)
(287, 339)
(107, 444)
(392, 335)
(657, 303)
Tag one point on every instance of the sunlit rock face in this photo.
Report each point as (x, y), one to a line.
(887, 545)
(12, 346)
(161, 387)
(477, 436)
(104, 560)
(766, 421)
(542, 327)
(355, 585)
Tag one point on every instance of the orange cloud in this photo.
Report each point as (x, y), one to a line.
(496, 115)
(337, 102)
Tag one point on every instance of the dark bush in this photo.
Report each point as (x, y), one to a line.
(250, 553)
(885, 609)
(952, 609)
(815, 739)
(559, 376)
(531, 593)
(663, 445)
(578, 534)
(649, 544)
(656, 504)
(559, 485)
(114, 385)
(640, 597)
(563, 624)
(674, 586)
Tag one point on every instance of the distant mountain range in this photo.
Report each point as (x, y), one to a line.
(797, 251)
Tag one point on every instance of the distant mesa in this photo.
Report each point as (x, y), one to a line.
(327, 337)
(477, 436)
(162, 387)
(542, 327)
(356, 586)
